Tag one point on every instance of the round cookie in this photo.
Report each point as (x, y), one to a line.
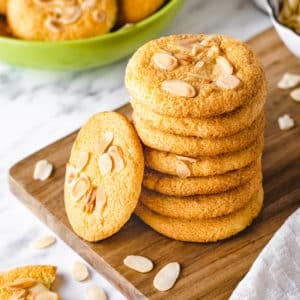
(176, 186)
(103, 176)
(201, 206)
(60, 20)
(169, 163)
(3, 5)
(194, 146)
(202, 230)
(132, 11)
(193, 75)
(220, 126)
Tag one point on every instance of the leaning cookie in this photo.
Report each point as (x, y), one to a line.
(220, 126)
(60, 20)
(176, 186)
(103, 176)
(194, 75)
(172, 164)
(202, 206)
(194, 146)
(202, 230)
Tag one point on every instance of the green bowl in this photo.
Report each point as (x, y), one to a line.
(87, 53)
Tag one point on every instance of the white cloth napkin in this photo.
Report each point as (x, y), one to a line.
(275, 274)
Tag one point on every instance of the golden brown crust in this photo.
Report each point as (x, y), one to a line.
(195, 147)
(202, 230)
(176, 186)
(132, 11)
(165, 162)
(121, 188)
(27, 20)
(220, 126)
(144, 80)
(201, 206)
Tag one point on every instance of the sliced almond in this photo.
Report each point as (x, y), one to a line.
(44, 242)
(227, 82)
(82, 161)
(105, 163)
(182, 169)
(21, 283)
(18, 294)
(185, 158)
(166, 277)
(42, 170)
(47, 295)
(285, 122)
(95, 293)
(288, 80)
(70, 15)
(88, 4)
(207, 40)
(116, 154)
(99, 15)
(101, 200)
(70, 174)
(79, 271)
(199, 64)
(224, 65)
(80, 187)
(104, 142)
(295, 94)
(187, 44)
(179, 88)
(37, 289)
(165, 61)
(53, 24)
(138, 263)
(213, 51)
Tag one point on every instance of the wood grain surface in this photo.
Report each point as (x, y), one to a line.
(209, 271)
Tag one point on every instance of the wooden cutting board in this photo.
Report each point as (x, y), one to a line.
(209, 271)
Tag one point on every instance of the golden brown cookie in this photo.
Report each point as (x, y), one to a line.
(202, 230)
(3, 4)
(194, 146)
(103, 176)
(132, 11)
(169, 163)
(28, 281)
(60, 20)
(223, 125)
(194, 75)
(176, 186)
(201, 206)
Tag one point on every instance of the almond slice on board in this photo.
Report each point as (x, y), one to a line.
(80, 187)
(44, 242)
(82, 161)
(79, 271)
(95, 293)
(116, 154)
(295, 95)
(179, 88)
(42, 170)
(167, 276)
(182, 169)
(165, 61)
(288, 80)
(104, 142)
(285, 122)
(105, 163)
(227, 82)
(138, 263)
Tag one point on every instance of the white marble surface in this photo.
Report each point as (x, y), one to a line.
(38, 107)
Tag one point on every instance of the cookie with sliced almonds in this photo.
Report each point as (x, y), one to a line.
(194, 75)
(103, 176)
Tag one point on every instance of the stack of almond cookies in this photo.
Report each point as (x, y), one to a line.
(198, 109)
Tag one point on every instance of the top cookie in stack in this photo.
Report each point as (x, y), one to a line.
(198, 108)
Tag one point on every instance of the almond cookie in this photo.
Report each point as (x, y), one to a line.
(195, 146)
(3, 4)
(202, 230)
(28, 282)
(181, 186)
(132, 11)
(220, 126)
(60, 20)
(194, 75)
(103, 176)
(172, 164)
(201, 206)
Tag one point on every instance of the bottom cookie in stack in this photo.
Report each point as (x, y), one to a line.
(203, 230)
